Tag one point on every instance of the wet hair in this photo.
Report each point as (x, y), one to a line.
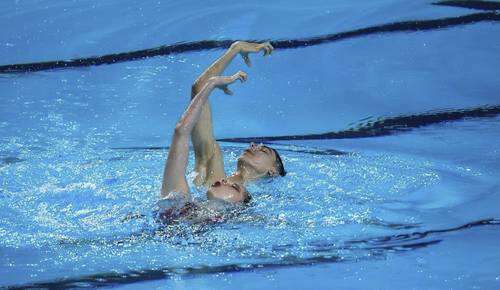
(279, 163)
(248, 198)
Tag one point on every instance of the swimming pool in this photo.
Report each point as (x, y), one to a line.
(385, 113)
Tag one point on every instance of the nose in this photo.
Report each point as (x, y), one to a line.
(253, 146)
(217, 183)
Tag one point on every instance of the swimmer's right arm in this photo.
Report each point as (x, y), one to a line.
(209, 163)
(174, 174)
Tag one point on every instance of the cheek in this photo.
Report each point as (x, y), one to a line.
(210, 194)
(262, 162)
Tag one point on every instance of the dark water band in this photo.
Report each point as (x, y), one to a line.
(405, 26)
(368, 128)
(378, 246)
(313, 151)
(384, 126)
(471, 4)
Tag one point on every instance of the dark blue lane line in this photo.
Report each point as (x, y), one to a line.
(378, 247)
(286, 148)
(404, 26)
(368, 128)
(471, 4)
(382, 241)
(10, 160)
(383, 127)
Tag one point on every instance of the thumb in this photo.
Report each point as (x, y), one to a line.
(227, 91)
(246, 58)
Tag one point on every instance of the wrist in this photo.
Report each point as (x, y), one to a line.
(235, 47)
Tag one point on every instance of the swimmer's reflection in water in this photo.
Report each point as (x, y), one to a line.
(256, 162)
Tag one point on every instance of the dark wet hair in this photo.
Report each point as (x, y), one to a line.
(279, 163)
(248, 198)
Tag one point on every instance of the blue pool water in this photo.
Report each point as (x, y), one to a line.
(401, 194)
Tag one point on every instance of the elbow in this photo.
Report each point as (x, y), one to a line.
(201, 84)
(235, 45)
(207, 84)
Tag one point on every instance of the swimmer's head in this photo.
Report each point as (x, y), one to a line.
(260, 161)
(229, 191)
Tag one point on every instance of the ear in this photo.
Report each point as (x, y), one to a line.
(272, 172)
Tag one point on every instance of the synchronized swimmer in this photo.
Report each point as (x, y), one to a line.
(256, 162)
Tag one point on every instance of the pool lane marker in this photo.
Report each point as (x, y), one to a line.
(382, 126)
(404, 26)
(285, 147)
(471, 4)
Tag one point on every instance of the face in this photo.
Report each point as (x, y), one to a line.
(227, 191)
(259, 160)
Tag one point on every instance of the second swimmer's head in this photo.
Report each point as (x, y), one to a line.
(257, 161)
(261, 161)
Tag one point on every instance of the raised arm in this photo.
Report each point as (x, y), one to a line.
(209, 163)
(174, 175)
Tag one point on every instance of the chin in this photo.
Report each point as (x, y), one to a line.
(221, 195)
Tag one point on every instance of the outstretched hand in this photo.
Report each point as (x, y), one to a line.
(244, 48)
(222, 82)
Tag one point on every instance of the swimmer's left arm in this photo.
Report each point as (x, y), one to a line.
(209, 164)
(174, 175)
